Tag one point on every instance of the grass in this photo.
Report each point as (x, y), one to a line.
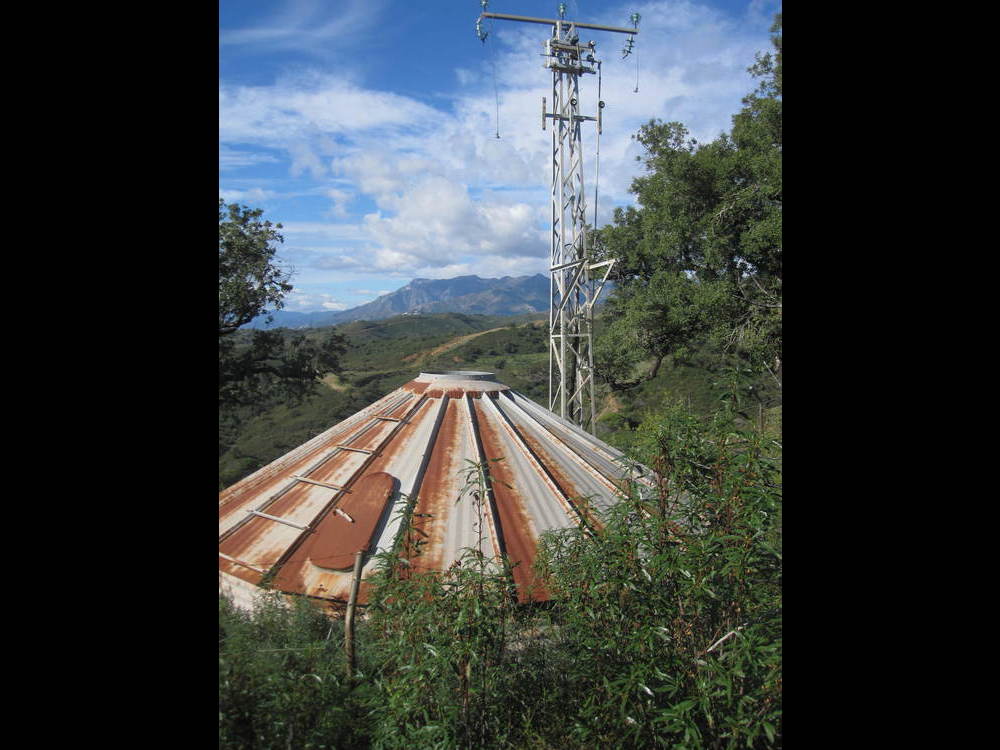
(333, 381)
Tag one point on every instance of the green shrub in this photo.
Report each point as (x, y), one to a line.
(281, 682)
(664, 629)
(674, 609)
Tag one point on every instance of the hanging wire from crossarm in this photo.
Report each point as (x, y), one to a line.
(496, 90)
(635, 25)
(628, 49)
(597, 161)
(482, 35)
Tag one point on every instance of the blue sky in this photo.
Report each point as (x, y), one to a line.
(368, 127)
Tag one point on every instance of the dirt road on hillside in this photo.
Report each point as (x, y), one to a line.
(448, 345)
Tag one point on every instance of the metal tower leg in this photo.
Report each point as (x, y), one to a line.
(570, 317)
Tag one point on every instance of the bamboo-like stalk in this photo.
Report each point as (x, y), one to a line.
(349, 617)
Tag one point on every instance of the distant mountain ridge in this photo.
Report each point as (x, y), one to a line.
(510, 295)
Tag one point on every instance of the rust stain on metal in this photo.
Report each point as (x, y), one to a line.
(249, 535)
(400, 410)
(334, 542)
(425, 540)
(293, 462)
(244, 573)
(561, 479)
(400, 441)
(567, 440)
(295, 571)
(336, 539)
(515, 524)
(287, 503)
(372, 437)
(421, 435)
(459, 392)
(339, 467)
(261, 552)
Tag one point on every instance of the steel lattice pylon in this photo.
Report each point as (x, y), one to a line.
(572, 288)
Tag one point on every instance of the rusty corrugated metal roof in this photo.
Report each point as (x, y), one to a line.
(301, 518)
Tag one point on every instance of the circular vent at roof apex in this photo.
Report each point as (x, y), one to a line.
(456, 375)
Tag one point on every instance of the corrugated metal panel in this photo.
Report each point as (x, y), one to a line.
(292, 520)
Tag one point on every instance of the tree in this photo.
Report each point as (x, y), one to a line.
(261, 367)
(272, 366)
(700, 260)
(249, 279)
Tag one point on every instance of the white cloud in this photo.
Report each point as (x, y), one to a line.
(298, 301)
(321, 258)
(305, 232)
(307, 26)
(252, 196)
(339, 200)
(442, 194)
(436, 221)
(381, 177)
(393, 261)
(305, 159)
(230, 159)
(314, 108)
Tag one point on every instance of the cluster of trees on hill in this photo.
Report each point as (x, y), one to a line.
(259, 369)
(700, 258)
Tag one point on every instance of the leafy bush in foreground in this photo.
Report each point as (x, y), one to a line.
(674, 611)
(664, 630)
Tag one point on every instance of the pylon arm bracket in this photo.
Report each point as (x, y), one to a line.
(569, 69)
(567, 118)
(610, 264)
(572, 283)
(566, 265)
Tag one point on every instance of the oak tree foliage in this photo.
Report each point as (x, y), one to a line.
(700, 259)
(249, 279)
(261, 367)
(268, 367)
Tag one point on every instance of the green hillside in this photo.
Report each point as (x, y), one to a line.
(383, 355)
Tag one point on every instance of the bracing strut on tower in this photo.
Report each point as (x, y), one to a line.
(573, 285)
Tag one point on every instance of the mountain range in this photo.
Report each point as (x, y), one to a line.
(510, 295)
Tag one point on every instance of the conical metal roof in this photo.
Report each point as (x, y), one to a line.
(301, 519)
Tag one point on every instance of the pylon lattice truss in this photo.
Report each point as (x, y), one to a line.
(573, 275)
(571, 360)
